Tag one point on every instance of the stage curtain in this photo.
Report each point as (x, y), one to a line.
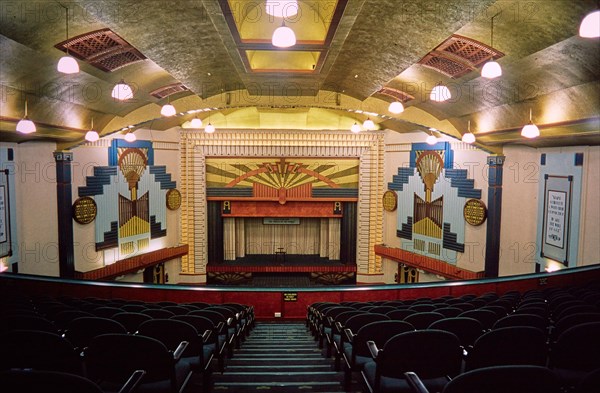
(240, 237)
(302, 239)
(324, 238)
(334, 239)
(229, 238)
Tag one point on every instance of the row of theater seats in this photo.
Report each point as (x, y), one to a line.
(116, 345)
(435, 340)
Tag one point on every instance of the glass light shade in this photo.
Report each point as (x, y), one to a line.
(209, 129)
(369, 124)
(355, 128)
(396, 107)
(284, 37)
(530, 131)
(196, 123)
(26, 126)
(67, 65)
(122, 91)
(590, 25)
(282, 8)
(91, 136)
(468, 137)
(168, 110)
(431, 140)
(491, 70)
(440, 93)
(130, 137)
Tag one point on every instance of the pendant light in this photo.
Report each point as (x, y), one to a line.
(369, 124)
(491, 69)
(168, 110)
(590, 25)
(122, 91)
(91, 135)
(355, 128)
(130, 137)
(282, 8)
(25, 126)
(67, 64)
(396, 107)
(440, 93)
(530, 130)
(209, 129)
(468, 137)
(431, 139)
(196, 123)
(283, 36)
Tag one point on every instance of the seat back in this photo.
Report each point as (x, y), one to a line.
(81, 331)
(422, 320)
(358, 321)
(514, 345)
(505, 379)
(131, 320)
(35, 381)
(486, 317)
(379, 332)
(466, 329)
(522, 320)
(577, 348)
(38, 350)
(429, 353)
(171, 333)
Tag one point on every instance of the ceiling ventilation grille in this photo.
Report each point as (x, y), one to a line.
(396, 94)
(458, 55)
(168, 90)
(103, 49)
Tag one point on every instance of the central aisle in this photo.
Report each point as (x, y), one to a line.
(279, 357)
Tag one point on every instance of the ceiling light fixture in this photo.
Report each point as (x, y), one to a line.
(491, 69)
(196, 123)
(396, 107)
(440, 93)
(282, 8)
(369, 124)
(283, 36)
(431, 140)
(130, 137)
(530, 130)
(122, 91)
(209, 129)
(91, 135)
(355, 128)
(468, 137)
(25, 126)
(168, 110)
(590, 25)
(67, 64)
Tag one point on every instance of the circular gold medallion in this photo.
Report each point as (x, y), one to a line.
(84, 210)
(390, 200)
(475, 212)
(173, 199)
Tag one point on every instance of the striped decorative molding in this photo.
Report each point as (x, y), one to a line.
(196, 146)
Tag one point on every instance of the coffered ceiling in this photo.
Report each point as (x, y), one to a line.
(352, 57)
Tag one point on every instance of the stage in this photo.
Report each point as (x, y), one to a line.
(281, 268)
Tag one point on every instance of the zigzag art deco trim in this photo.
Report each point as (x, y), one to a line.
(195, 147)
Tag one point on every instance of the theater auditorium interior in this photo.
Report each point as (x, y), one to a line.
(373, 196)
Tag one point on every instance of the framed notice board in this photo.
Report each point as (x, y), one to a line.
(556, 223)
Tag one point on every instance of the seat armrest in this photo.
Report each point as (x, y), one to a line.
(329, 321)
(220, 327)
(415, 383)
(133, 381)
(206, 336)
(373, 349)
(349, 335)
(338, 327)
(229, 321)
(180, 348)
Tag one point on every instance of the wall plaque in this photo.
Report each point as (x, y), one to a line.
(173, 199)
(290, 296)
(390, 200)
(84, 210)
(475, 212)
